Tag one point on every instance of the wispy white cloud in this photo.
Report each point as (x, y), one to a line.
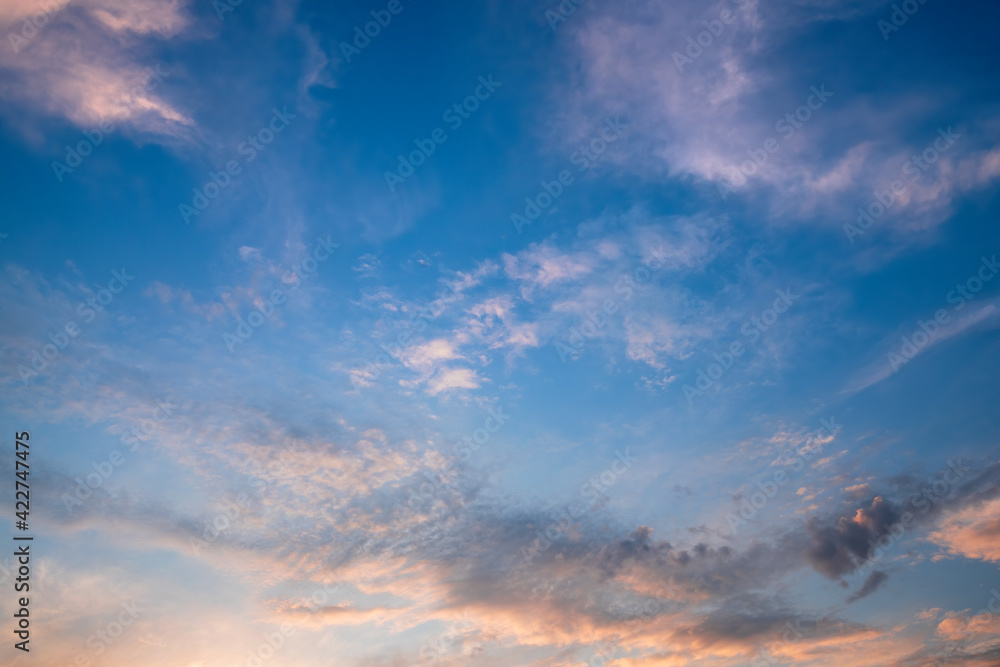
(881, 368)
(700, 111)
(91, 62)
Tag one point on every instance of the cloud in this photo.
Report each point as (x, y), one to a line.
(837, 550)
(542, 266)
(929, 614)
(86, 65)
(959, 626)
(247, 253)
(971, 532)
(337, 511)
(427, 357)
(858, 491)
(550, 287)
(979, 317)
(454, 378)
(367, 266)
(654, 337)
(14, 11)
(872, 583)
(699, 113)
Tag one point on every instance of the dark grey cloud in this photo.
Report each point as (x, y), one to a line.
(838, 549)
(874, 581)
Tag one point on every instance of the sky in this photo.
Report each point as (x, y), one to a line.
(638, 334)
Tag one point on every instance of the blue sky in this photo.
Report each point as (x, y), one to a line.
(643, 334)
